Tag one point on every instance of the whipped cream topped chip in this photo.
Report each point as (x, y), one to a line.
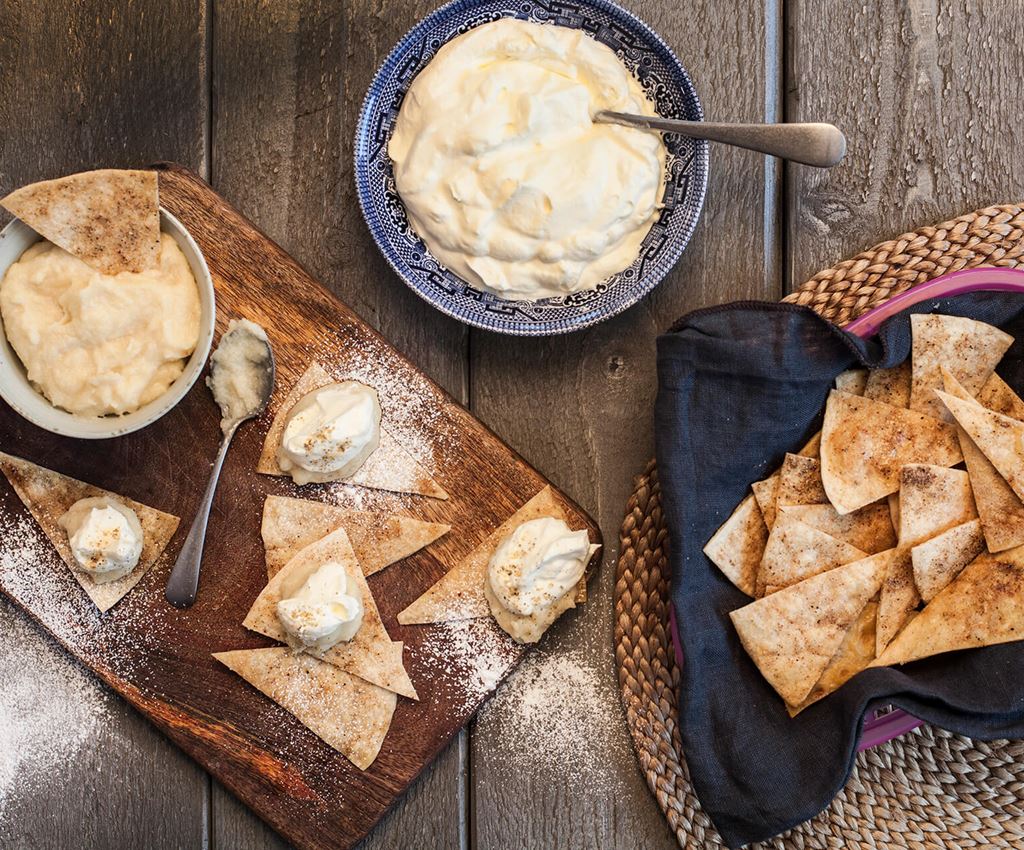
(388, 467)
(323, 610)
(49, 496)
(105, 537)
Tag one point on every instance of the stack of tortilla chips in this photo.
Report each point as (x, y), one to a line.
(898, 531)
(346, 695)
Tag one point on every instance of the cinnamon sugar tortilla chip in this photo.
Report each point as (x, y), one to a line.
(371, 654)
(968, 348)
(865, 443)
(350, 715)
(1000, 509)
(800, 482)
(869, 528)
(390, 467)
(852, 381)
(48, 495)
(893, 500)
(899, 598)
(792, 635)
(889, 386)
(855, 653)
(796, 551)
(998, 437)
(932, 500)
(938, 561)
(983, 606)
(109, 219)
(459, 593)
(737, 547)
(766, 493)
(999, 396)
(379, 540)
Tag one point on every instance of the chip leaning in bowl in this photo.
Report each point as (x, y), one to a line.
(897, 533)
(104, 311)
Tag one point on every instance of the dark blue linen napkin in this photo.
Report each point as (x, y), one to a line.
(740, 385)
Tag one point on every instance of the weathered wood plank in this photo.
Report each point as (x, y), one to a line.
(580, 408)
(289, 80)
(82, 85)
(926, 93)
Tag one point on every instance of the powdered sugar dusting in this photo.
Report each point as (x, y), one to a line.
(467, 659)
(557, 712)
(50, 708)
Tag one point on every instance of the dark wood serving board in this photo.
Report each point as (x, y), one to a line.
(158, 658)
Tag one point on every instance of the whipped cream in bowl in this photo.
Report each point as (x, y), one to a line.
(330, 432)
(320, 608)
(105, 537)
(504, 173)
(533, 575)
(488, 186)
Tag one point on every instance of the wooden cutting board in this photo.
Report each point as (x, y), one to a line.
(158, 658)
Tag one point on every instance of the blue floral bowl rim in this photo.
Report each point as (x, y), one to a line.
(643, 286)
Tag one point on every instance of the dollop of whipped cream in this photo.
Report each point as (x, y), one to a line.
(503, 172)
(105, 537)
(330, 432)
(321, 612)
(537, 564)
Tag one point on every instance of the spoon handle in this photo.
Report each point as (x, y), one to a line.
(184, 580)
(820, 145)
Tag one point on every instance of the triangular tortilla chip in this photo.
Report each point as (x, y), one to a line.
(983, 606)
(379, 540)
(969, 349)
(999, 396)
(852, 381)
(865, 443)
(800, 482)
(796, 551)
(999, 438)
(938, 561)
(889, 386)
(371, 654)
(350, 715)
(109, 219)
(766, 492)
(737, 546)
(390, 467)
(898, 599)
(459, 593)
(855, 653)
(932, 499)
(48, 495)
(793, 634)
(893, 500)
(1000, 509)
(869, 529)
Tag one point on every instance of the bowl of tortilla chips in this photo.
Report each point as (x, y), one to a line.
(897, 532)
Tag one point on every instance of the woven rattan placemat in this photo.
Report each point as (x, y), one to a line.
(927, 789)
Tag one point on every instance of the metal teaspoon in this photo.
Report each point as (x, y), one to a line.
(820, 145)
(184, 580)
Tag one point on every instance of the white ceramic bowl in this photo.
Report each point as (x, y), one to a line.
(34, 406)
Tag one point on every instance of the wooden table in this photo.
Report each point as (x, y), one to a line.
(261, 98)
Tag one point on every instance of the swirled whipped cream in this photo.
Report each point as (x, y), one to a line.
(503, 172)
(105, 537)
(330, 432)
(322, 612)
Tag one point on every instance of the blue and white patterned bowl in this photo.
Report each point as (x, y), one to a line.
(667, 84)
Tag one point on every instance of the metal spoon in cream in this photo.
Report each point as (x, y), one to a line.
(242, 381)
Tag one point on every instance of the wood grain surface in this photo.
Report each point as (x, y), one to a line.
(926, 92)
(160, 658)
